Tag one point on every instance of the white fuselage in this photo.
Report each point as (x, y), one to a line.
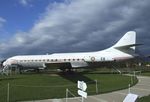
(39, 61)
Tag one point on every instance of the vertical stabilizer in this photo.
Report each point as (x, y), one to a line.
(128, 39)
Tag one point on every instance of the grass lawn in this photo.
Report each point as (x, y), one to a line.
(146, 73)
(144, 99)
(46, 86)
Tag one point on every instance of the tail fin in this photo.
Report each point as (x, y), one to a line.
(127, 41)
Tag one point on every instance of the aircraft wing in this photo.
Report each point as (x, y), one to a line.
(79, 64)
(67, 64)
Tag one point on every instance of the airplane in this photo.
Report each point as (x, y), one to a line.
(124, 49)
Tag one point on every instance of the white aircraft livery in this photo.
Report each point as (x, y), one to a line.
(124, 49)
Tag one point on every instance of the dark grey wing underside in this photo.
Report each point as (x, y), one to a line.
(67, 64)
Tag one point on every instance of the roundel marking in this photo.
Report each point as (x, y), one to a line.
(93, 59)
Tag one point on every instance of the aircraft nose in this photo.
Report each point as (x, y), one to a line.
(4, 63)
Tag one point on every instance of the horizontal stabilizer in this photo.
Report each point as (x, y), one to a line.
(127, 46)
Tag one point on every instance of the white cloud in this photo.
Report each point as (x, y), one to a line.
(80, 25)
(2, 21)
(25, 2)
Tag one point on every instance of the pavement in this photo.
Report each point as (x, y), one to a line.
(142, 88)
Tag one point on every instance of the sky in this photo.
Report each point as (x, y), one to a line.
(54, 26)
